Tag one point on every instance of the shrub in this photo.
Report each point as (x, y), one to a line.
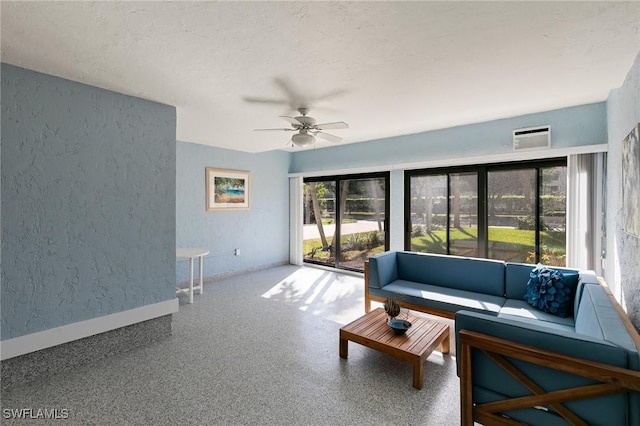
(374, 239)
(549, 256)
(529, 223)
(355, 242)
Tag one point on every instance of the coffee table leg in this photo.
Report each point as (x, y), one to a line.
(344, 348)
(418, 374)
(444, 346)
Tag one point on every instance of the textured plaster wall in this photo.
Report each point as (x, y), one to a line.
(570, 127)
(88, 202)
(623, 249)
(261, 233)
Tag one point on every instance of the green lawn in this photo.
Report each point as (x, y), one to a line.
(505, 243)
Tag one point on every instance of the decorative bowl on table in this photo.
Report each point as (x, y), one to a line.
(399, 326)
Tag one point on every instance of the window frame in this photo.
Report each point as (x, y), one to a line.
(337, 179)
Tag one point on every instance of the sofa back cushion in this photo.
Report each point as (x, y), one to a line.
(461, 273)
(517, 276)
(383, 269)
(597, 317)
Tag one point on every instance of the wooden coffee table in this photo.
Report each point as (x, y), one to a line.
(415, 346)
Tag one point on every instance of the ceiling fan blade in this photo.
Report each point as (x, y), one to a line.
(333, 125)
(330, 94)
(291, 120)
(265, 100)
(262, 130)
(295, 98)
(329, 137)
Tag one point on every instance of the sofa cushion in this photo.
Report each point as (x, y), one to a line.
(598, 318)
(552, 291)
(383, 269)
(586, 277)
(536, 322)
(522, 310)
(455, 272)
(443, 298)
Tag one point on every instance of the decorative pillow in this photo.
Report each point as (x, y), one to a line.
(551, 291)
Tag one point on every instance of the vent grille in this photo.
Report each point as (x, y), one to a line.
(532, 138)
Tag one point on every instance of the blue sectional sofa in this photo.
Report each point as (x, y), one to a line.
(515, 362)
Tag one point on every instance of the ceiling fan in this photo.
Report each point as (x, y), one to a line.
(294, 96)
(307, 129)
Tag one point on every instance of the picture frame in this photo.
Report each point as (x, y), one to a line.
(227, 189)
(631, 182)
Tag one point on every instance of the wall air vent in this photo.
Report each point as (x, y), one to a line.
(532, 138)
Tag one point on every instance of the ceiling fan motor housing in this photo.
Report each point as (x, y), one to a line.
(306, 121)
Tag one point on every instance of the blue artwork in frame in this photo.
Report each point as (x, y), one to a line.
(227, 189)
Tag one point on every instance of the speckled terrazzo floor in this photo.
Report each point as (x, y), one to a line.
(258, 348)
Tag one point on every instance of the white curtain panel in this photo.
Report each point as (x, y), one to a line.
(584, 211)
(295, 220)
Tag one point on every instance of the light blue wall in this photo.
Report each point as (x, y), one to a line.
(570, 127)
(88, 202)
(622, 268)
(261, 233)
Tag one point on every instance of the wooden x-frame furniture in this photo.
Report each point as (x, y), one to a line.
(612, 380)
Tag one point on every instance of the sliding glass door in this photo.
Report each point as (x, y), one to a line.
(463, 214)
(527, 214)
(362, 220)
(553, 215)
(427, 222)
(443, 214)
(345, 219)
(511, 208)
(514, 212)
(319, 221)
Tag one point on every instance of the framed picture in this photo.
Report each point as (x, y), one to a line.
(631, 181)
(227, 189)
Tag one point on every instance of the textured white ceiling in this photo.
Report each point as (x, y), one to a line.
(386, 68)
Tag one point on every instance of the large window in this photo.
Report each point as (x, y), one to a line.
(513, 212)
(352, 210)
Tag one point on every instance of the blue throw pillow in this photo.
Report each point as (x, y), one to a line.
(552, 291)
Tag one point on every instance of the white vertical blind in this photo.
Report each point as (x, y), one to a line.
(584, 211)
(295, 220)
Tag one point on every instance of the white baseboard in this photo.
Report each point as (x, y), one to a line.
(78, 330)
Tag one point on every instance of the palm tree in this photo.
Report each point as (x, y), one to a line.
(318, 214)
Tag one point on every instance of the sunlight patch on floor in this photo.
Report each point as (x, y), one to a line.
(332, 295)
(436, 357)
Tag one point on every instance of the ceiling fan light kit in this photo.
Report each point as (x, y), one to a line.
(302, 139)
(307, 129)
